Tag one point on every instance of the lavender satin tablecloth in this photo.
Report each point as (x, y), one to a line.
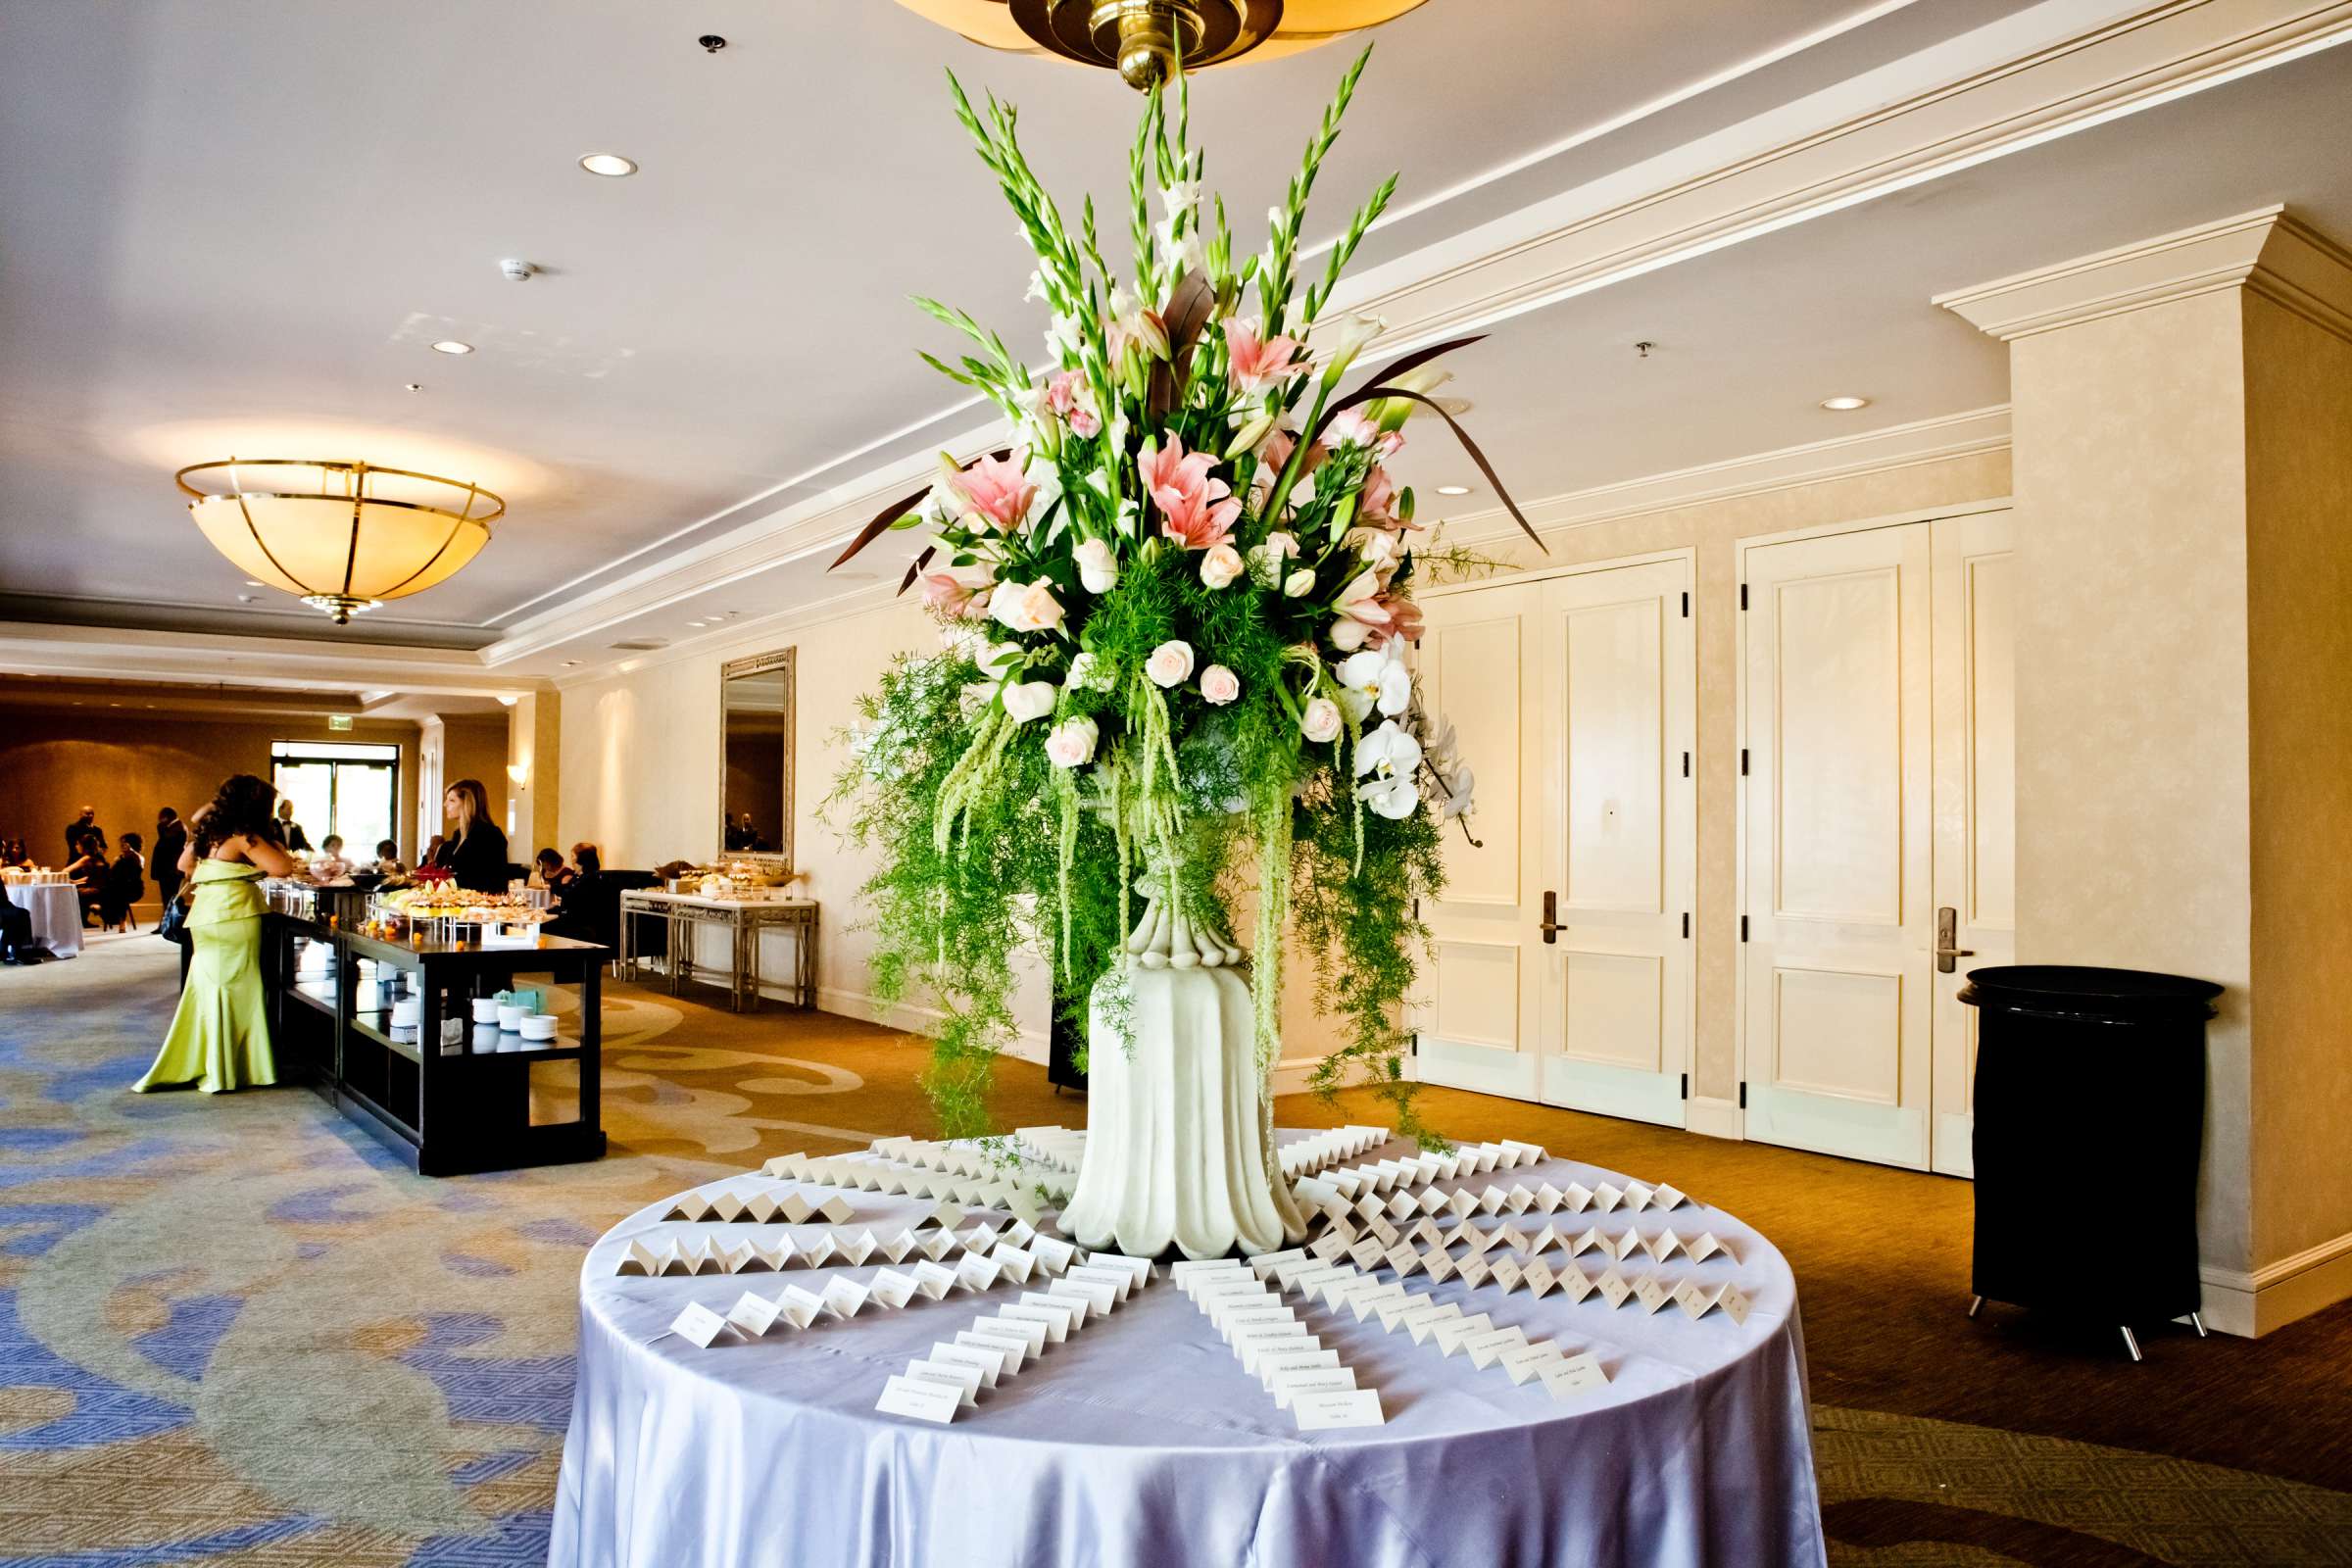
(1142, 1442)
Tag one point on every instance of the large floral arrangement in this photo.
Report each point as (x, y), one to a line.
(1176, 614)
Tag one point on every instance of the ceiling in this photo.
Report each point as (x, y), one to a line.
(239, 228)
(235, 230)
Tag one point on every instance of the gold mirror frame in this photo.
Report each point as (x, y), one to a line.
(736, 670)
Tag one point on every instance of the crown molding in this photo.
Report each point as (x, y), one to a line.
(277, 662)
(2060, 68)
(2267, 252)
(1883, 451)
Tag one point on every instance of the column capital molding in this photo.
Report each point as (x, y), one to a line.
(2267, 252)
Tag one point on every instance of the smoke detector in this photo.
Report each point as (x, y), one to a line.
(516, 272)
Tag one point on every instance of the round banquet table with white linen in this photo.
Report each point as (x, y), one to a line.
(56, 910)
(1142, 1440)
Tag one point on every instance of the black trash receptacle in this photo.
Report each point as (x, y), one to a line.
(2089, 1117)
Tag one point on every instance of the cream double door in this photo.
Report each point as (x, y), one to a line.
(1561, 956)
(1878, 846)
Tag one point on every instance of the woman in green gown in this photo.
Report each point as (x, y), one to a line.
(220, 1038)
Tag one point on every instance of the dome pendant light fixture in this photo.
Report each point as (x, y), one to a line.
(1141, 40)
(342, 536)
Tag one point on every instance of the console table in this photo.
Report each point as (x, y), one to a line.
(743, 919)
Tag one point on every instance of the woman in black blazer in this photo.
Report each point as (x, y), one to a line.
(476, 851)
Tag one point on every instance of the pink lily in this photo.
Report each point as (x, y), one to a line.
(997, 490)
(1258, 361)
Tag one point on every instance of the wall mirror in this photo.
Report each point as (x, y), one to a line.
(754, 778)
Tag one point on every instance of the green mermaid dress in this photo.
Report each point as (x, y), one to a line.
(220, 1038)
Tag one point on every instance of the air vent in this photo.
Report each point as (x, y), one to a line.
(641, 645)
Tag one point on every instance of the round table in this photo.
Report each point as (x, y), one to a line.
(56, 910)
(1142, 1440)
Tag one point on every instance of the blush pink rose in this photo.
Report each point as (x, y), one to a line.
(1170, 663)
(1219, 685)
(1220, 564)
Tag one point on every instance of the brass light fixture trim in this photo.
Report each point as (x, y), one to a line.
(1143, 39)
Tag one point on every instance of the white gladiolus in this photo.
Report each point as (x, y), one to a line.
(1025, 701)
(1071, 743)
(1353, 333)
(1170, 663)
(1097, 565)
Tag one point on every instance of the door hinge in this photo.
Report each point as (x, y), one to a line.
(1743, 928)
(1743, 596)
(1743, 1094)
(1743, 761)
(1685, 1086)
(1685, 764)
(1686, 604)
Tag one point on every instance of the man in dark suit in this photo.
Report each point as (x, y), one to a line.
(86, 822)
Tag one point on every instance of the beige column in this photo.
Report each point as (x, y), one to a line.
(534, 773)
(2181, 428)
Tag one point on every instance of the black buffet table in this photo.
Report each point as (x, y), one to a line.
(448, 1102)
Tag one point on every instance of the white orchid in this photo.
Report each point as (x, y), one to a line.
(1375, 679)
(1386, 760)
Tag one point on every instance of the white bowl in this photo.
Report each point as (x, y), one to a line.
(485, 1009)
(408, 1012)
(509, 1019)
(540, 1027)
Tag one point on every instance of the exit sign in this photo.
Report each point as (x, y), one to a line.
(338, 721)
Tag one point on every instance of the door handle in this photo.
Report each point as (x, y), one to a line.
(1947, 932)
(1551, 929)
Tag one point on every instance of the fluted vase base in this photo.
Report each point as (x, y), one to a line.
(1179, 1141)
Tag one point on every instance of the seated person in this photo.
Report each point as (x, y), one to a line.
(583, 918)
(125, 883)
(86, 870)
(387, 858)
(328, 864)
(550, 872)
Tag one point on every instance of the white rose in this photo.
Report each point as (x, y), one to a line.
(999, 659)
(1082, 672)
(1349, 635)
(1071, 743)
(1321, 721)
(1097, 565)
(1170, 663)
(1220, 564)
(1029, 606)
(1299, 584)
(1219, 685)
(1029, 700)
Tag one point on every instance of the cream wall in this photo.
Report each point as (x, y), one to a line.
(641, 750)
(2298, 402)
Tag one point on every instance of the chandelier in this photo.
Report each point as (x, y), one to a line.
(1141, 40)
(344, 536)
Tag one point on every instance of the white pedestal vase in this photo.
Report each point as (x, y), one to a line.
(1180, 1139)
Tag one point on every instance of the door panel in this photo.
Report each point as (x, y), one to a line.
(1473, 1009)
(1619, 839)
(1976, 796)
(1836, 794)
(1575, 701)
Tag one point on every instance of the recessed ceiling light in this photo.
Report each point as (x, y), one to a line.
(1453, 489)
(698, 624)
(570, 662)
(610, 164)
(1844, 405)
(254, 582)
(450, 345)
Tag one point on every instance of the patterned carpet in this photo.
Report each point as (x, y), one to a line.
(233, 1331)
